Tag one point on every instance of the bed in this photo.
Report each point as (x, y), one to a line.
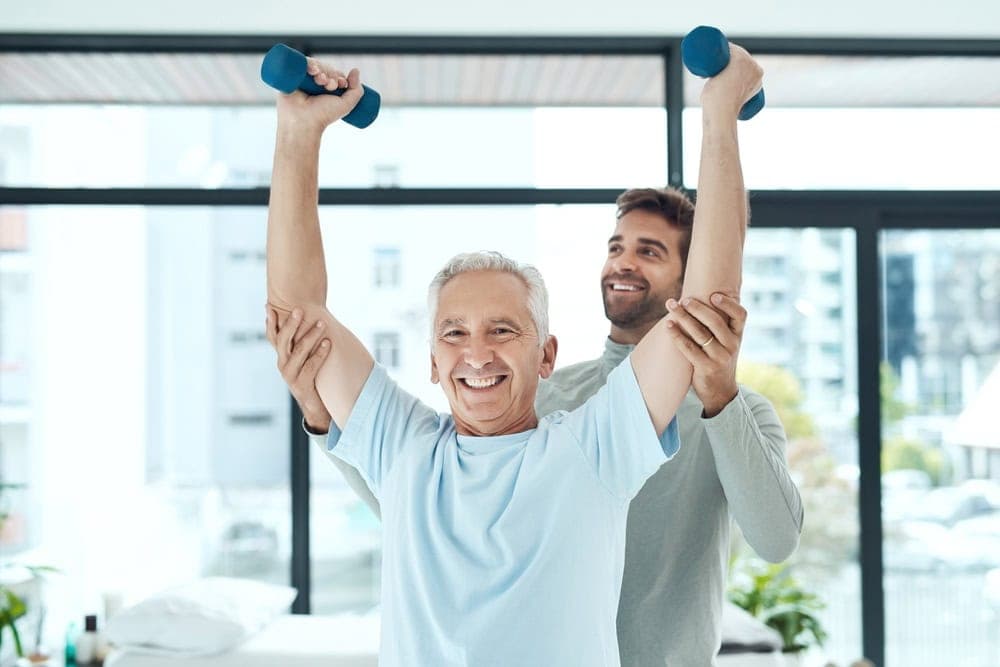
(331, 641)
(287, 641)
(769, 659)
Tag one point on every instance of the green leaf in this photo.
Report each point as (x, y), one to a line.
(770, 593)
(42, 570)
(10, 604)
(17, 640)
(12, 608)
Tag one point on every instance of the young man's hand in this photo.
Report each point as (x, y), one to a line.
(299, 361)
(709, 336)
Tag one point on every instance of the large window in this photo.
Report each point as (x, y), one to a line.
(800, 351)
(867, 123)
(568, 245)
(447, 121)
(151, 438)
(940, 449)
(136, 382)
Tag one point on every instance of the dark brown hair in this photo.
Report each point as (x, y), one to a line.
(673, 204)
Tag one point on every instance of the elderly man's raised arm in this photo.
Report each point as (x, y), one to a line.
(296, 269)
(715, 259)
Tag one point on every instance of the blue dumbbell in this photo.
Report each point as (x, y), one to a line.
(284, 69)
(705, 52)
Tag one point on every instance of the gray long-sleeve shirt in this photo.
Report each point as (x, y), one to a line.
(677, 542)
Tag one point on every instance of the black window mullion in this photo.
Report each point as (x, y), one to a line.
(674, 100)
(327, 196)
(301, 570)
(869, 287)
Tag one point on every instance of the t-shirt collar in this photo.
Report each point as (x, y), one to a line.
(615, 353)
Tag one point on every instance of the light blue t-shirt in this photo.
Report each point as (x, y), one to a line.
(504, 550)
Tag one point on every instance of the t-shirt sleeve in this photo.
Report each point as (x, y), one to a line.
(384, 421)
(616, 435)
(350, 474)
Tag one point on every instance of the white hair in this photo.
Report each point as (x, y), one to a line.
(489, 260)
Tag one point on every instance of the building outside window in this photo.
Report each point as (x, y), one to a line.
(386, 348)
(387, 270)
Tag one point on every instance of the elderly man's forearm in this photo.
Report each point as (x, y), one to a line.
(716, 256)
(296, 267)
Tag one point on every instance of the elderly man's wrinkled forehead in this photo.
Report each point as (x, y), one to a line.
(494, 296)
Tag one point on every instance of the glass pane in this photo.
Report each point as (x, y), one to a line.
(567, 243)
(867, 123)
(452, 121)
(152, 436)
(75, 146)
(800, 351)
(940, 450)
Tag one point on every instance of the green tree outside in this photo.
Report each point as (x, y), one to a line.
(899, 453)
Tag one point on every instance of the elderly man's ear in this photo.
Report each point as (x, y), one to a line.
(549, 357)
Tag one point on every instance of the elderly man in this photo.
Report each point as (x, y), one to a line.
(504, 535)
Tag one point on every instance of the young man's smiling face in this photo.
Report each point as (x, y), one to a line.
(486, 353)
(643, 270)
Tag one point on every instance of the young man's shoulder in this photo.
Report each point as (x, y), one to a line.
(568, 388)
(571, 375)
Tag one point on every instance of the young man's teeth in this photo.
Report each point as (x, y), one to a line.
(481, 383)
(626, 288)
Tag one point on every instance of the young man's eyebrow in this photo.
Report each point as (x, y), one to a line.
(655, 242)
(646, 241)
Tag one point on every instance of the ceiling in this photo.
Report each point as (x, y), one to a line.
(497, 80)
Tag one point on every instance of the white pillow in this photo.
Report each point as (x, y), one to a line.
(203, 617)
(744, 633)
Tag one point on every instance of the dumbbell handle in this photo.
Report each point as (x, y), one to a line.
(284, 69)
(705, 52)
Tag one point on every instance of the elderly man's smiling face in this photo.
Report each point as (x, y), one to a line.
(486, 353)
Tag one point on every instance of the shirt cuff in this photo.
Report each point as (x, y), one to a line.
(309, 431)
(736, 406)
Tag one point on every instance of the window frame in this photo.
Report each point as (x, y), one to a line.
(867, 213)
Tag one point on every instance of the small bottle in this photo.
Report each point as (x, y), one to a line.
(72, 632)
(86, 643)
(101, 649)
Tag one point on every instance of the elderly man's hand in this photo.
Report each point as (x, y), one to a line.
(299, 362)
(710, 337)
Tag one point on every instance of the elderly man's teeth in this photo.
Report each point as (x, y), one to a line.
(481, 383)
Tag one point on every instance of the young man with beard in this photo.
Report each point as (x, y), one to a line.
(678, 524)
(731, 464)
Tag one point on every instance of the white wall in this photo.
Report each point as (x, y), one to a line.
(843, 18)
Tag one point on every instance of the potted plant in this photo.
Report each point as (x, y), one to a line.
(12, 605)
(771, 594)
